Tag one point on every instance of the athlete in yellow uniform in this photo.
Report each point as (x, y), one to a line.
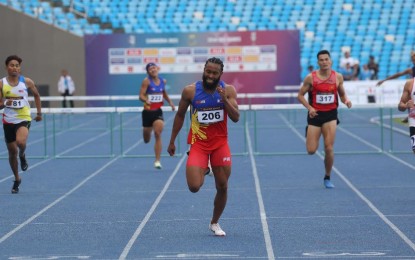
(16, 114)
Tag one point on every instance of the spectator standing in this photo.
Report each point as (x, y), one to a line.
(66, 87)
(374, 66)
(353, 62)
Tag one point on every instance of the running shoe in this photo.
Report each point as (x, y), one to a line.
(157, 165)
(16, 185)
(23, 163)
(215, 228)
(328, 184)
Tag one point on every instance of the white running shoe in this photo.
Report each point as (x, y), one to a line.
(215, 228)
(157, 165)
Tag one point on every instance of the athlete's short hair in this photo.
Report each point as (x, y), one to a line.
(13, 57)
(323, 52)
(216, 61)
(149, 65)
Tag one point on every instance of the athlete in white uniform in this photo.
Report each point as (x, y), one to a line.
(407, 102)
(16, 114)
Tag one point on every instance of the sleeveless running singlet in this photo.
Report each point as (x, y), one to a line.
(155, 95)
(209, 118)
(19, 110)
(323, 94)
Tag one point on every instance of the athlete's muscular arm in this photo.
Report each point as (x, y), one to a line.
(32, 87)
(185, 101)
(228, 95)
(306, 87)
(1, 95)
(166, 96)
(342, 92)
(142, 96)
(406, 101)
(408, 71)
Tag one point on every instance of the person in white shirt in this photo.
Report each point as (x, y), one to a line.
(353, 62)
(66, 87)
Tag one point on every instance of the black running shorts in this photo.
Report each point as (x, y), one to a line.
(412, 134)
(322, 117)
(149, 116)
(10, 130)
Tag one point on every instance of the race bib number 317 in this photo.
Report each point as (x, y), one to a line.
(325, 98)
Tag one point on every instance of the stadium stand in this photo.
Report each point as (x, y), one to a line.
(382, 28)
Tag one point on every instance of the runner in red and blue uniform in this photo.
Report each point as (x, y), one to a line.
(152, 94)
(323, 87)
(212, 102)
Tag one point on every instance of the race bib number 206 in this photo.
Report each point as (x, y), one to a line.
(208, 117)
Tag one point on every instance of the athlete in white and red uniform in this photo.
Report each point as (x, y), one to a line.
(323, 86)
(407, 102)
(212, 102)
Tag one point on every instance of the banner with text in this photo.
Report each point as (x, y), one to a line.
(254, 61)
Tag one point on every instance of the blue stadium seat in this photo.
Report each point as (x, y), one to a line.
(363, 27)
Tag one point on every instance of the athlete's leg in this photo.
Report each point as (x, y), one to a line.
(329, 134)
(12, 149)
(196, 168)
(221, 165)
(222, 174)
(147, 134)
(313, 138)
(21, 139)
(158, 126)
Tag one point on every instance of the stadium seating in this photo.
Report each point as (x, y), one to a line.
(383, 28)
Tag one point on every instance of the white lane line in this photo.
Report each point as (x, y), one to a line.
(151, 211)
(70, 149)
(360, 139)
(33, 142)
(29, 220)
(5, 237)
(267, 236)
(361, 196)
(46, 160)
(378, 148)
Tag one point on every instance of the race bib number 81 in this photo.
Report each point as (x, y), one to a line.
(208, 117)
(325, 98)
(14, 103)
(155, 98)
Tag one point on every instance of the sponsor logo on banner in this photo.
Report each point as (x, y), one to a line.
(133, 52)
